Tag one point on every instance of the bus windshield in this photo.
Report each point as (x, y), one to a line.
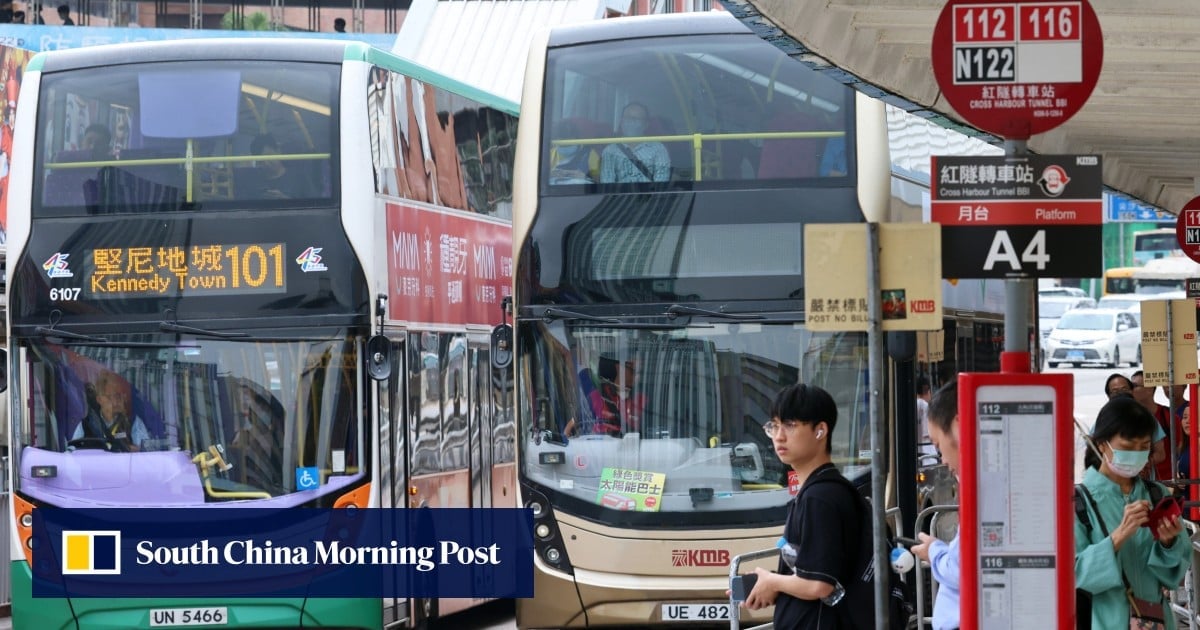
(154, 421)
(740, 114)
(678, 411)
(175, 136)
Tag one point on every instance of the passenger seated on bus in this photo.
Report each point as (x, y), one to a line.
(108, 414)
(98, 142)
(626, 162)
(273, 178)
(572, 163)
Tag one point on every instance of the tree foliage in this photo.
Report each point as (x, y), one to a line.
(257, 21)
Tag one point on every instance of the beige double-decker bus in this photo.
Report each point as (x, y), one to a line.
(666, 167)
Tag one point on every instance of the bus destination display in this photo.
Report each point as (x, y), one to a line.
(216, 269)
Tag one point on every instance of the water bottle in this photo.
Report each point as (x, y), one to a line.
(787, 552)
(902, 560)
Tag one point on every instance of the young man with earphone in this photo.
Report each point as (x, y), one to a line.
(823, 526)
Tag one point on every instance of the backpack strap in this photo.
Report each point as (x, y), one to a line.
(1081, 511)
(1155, 490)
(1095, 510)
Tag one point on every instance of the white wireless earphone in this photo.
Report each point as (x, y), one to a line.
(820, 432)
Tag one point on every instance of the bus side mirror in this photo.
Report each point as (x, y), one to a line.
(502, 342)
(379, 363)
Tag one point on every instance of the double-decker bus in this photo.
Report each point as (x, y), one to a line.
(254, 273)
(659, 304)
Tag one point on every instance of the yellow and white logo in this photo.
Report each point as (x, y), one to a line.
(91, 552)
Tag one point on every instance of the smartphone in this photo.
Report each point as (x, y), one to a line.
(1167, 508)
(740, 586)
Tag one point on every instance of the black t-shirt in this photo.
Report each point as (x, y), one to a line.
(824, 524)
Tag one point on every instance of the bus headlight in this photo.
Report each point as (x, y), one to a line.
(537, 509)
(26, 520)
(542, 531)
(552, 555)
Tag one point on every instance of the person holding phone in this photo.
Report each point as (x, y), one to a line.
(1127, 552)
(944, 560)
(823, 523)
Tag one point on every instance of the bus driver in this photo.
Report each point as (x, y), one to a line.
(108, 415)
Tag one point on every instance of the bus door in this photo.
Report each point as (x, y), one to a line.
(480, 401)
(392, 411)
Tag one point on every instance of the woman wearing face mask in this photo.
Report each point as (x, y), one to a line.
(572, 163)
(1116, 555)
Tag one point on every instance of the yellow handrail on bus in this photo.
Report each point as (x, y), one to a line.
(697, 141)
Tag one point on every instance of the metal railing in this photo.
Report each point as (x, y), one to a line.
(735, 617)
(1183, 599)
(933, 512)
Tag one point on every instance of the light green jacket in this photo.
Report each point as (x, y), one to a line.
(1148, 566)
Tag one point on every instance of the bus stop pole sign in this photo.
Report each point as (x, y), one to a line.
(1187, 229)
(1016, 526)
(1017, 68)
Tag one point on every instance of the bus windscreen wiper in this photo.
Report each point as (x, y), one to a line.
(63, 334)
(173, 327)
(558, 313)
(675, 310)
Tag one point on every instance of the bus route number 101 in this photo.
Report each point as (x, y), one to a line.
(65, 294)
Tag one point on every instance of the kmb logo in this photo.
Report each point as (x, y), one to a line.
(699, 557)
(923, 306)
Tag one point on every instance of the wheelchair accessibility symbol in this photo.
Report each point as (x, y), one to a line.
(308, 478)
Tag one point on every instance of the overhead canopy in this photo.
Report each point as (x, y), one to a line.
(1143, 117)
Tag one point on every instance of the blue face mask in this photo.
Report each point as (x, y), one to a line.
(1127, 463)
(633, 127)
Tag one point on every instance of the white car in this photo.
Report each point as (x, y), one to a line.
(1106, 336)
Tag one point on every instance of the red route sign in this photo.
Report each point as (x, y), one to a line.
(1017, 68)
(1187, 230)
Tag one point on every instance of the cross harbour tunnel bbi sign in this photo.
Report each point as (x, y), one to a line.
(1035, 216)
(1017, 67)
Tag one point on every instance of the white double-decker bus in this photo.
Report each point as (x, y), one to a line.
(270, 267)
